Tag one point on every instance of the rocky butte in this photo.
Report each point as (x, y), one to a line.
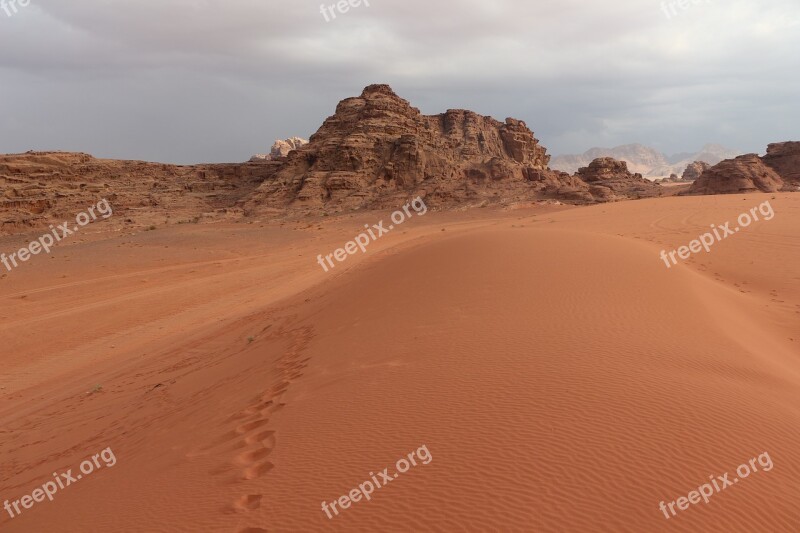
(778, 170)
(377, 151)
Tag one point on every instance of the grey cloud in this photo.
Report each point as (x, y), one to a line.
(189, 81)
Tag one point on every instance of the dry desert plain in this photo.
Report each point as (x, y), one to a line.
(559, 375)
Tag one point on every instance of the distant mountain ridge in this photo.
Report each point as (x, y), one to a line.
(645, 160)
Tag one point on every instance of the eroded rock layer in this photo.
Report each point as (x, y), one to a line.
(41, 188)
(779, 170)
(746, 173)
(611, 180)
(784, 158)
(377, 150)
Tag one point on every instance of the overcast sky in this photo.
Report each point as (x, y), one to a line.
(190, 81)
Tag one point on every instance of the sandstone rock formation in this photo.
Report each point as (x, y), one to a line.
(377, 150)
(694, 170)
(784, 158)
(779, 170)
(610, 179)
(280, 149)
(41, 188)
(746, 173)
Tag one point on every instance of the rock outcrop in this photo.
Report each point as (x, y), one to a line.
(694, 170)
(779, 170)
(378, 150)
(610, 179)
(746, 173)
(41, 188)
(280, 149)
(784, 158)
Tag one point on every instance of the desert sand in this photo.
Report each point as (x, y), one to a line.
(562, 378)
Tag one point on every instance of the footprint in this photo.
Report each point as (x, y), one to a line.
(249, 426)
(279, 389)
(248, 503)
(258, 409)
(257, 470)
(260, 437)
(251, 456)
(251, 441)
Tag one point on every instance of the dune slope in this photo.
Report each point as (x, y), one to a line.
(559, 375)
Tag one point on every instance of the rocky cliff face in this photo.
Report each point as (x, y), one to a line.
(41, 188)
(377, 150)
(779, 170)
(784, 158)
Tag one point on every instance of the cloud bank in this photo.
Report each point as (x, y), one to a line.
(209, 81)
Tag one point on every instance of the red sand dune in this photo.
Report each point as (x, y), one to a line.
(562, 378)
